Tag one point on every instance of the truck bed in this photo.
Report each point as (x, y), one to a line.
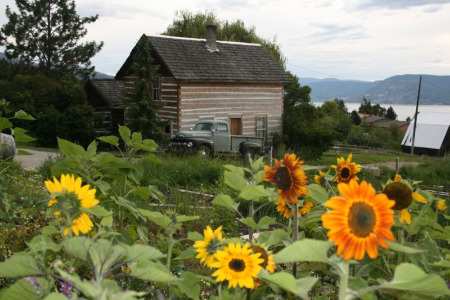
(236, 140)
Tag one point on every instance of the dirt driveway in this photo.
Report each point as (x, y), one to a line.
(31, 159)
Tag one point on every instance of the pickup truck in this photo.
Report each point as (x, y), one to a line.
(213, 136)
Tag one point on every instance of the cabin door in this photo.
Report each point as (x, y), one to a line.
(236, 126)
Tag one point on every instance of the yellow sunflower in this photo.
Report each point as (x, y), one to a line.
(359, 220)
(85, 198)
(238, 265)
(402, 193)
(441, 205)
(286, 211)
(289, 177)
(346, 170)
(207, 247)
(268, 261)
(320, 177)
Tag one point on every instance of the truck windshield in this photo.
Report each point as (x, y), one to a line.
(203, 127)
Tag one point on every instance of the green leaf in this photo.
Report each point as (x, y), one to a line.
(148, 145)
(306, 250)
(107, 221)
(188, 253)
(5, 123)
(70, 149)
(250, 222)
(42, 243)
(235, 180)
(22, 115)
(317, 193)
(138, 251)
(20, 290)
(409, 277)
(225, 201)
(21, 136)
(190, 285)
(92, 149)
(19, 265)
(299, 287)
(109, 139)
(253, 192)
(183, 218)
(77, 247)
(404, 249)
(151, 271)
(156, 217)
(194, 236)
(98, 211)
(274, 237)
(125, 134)
(55, 296)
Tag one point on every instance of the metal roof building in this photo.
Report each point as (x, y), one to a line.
(432, 134)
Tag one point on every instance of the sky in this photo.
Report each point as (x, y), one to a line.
(345, 39)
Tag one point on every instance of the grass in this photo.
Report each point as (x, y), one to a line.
(23, 152)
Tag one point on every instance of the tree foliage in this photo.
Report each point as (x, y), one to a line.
(49, 34)
(356, 119)
(390, 113)
(188, 24)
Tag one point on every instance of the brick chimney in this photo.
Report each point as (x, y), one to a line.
(211, 38)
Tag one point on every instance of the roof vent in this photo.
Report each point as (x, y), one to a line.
(211, 38)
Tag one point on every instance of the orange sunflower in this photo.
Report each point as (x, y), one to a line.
(359, 220)
(284, 209)
(346, 169)
(289, 177)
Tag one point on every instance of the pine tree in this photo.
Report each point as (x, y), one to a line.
(49, 33)
(390, 113)
(141, 113)
(356, 119)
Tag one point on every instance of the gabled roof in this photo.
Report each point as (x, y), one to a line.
(431, 130)
(112, 91)
(189, 60)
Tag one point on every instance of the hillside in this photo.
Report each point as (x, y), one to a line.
(400, 89)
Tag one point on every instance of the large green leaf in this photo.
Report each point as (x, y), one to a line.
(306, 250)
(183, 218)
(274, 237)
(404, 249)
(225, 201)
(189, 284)
(55, 296)
(125, 134)
(43, 243)
(5, 123)
(151, 271)
(409, 277)
(253, 192)
(70, 149)
(138, 251)
(235, 179)
(22, 115)
(21, 135)
(317, 193)
(156, 217)
(77, 247)
(22, 290)
(19, 265)
(299, 287)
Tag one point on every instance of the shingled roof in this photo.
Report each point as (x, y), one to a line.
(112, 91)
(189, 60)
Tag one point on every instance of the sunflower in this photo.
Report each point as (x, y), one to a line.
(69, 185)
(346, 170)
(359, 220)
(237, 264)
(286, 211)
(207, 247)
(268, 261)
(441, 205)
(289, 177)
(320, 177)
(402, 193)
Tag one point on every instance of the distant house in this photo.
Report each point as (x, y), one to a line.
(432, 134)
(381, 122)
(204, 79)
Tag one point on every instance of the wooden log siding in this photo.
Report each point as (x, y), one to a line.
(232, 100)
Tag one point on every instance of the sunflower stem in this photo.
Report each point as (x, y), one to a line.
(252, 214)
(343, 280)
(295, 233)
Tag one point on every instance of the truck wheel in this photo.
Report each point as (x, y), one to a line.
(204, 151)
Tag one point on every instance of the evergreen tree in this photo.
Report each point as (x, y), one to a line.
(49, 34)
(356, 119)
(141, 113)
(390, 113)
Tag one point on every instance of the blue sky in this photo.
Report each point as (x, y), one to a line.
(347, 39)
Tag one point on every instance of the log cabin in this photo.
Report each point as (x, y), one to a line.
(202, 79)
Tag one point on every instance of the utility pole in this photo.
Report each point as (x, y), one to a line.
(415, 116)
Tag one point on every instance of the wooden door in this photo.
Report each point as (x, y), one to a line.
(236, 126)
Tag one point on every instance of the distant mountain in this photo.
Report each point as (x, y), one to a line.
(400, 89)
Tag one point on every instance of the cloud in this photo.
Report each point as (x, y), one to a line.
(114, 10)
(400, 4)
(330, 32)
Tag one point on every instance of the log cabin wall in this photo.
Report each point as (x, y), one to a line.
(224, 101)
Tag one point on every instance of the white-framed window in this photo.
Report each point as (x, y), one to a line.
(156, 89)
(261, 126)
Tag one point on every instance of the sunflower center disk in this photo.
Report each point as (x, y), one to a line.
(345, 173)
(283, 178)
(361, 219)
(237, 265)
(400, 193)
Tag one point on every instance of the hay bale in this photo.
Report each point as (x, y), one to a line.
(7, 146)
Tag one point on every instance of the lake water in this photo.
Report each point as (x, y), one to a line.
(403, 111)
